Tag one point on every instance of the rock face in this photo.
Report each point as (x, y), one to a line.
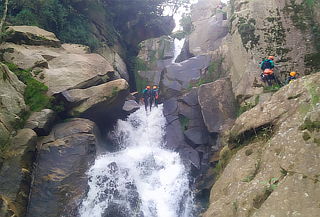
(179, 76)
(60, 181)
(275, 171)
(186, 132)
(263, 28)
(116, 61)
(210, 27)
(62, 67)
(97, 99)
(41, 122)
(12, 103)
(16, 173)
(154, 55)
(218, 105)
(32, 35)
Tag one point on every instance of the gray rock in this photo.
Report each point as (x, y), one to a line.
(32, 35)
(191, 98)
(130, 106)
(178, 76)
(170, 107)
(209, 27)
(197, 136)
(15, 174)
(41, 122)
(189, 155)
(218, 105)
(12, 103)
(60, 181)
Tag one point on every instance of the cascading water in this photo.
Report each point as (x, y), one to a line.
(142, 179)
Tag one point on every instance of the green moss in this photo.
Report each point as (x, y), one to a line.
(184, 121)
(313, 61)
(270, 89)
(246, 30)
(306, 136)
(140, 82)
(35, 92)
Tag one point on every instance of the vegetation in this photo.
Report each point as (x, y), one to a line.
(35, 92)
(184, 121)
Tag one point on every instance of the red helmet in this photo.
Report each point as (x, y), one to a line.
(148, 87)
(271, 58)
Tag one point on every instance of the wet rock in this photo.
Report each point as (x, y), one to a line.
(31, 35)
(41, 122)
(217, 105)
(170, 107)
(64, 157)
(15, 174)
(185, 53)
(191, 98)
(130, 106)
(197, 136)
(11, 103)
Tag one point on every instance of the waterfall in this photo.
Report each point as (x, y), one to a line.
(178, 45)
(142, 179)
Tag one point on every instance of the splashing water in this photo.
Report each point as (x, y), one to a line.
(143, 179)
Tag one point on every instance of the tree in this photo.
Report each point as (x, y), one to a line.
(4, 16)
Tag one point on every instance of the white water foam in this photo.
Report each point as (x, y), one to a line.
(143, 179)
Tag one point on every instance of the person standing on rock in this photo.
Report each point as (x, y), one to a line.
(146, 95)
(267, 67)
(154, 96)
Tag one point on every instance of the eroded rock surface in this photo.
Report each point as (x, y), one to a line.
(32, 35)
(15, 173)
(41, 122)
(12, 103)
(276, 171)
(64, 157)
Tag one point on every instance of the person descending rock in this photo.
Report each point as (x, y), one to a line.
(292, 76)
(154, 96)
(267, 67)
(146, 95)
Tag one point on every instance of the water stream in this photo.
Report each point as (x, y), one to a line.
(142, 179)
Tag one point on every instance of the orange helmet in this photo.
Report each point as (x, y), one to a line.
(148, 87)
(292, 74)
(271, 58)
(154, 87)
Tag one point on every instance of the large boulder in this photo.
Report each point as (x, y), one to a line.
(115, 60)
(218, 105)
(275, 171)
(210, 27)
(41, 122)
(95, 100)
(179, 76)
(15, 174)
(31, 35)
(12, 103)
(72, 71)
(60, 181)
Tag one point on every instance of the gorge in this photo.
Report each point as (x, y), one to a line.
(75, 139)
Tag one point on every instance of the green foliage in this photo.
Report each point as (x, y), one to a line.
(246, 107)
(273, 88)
(35, 92)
